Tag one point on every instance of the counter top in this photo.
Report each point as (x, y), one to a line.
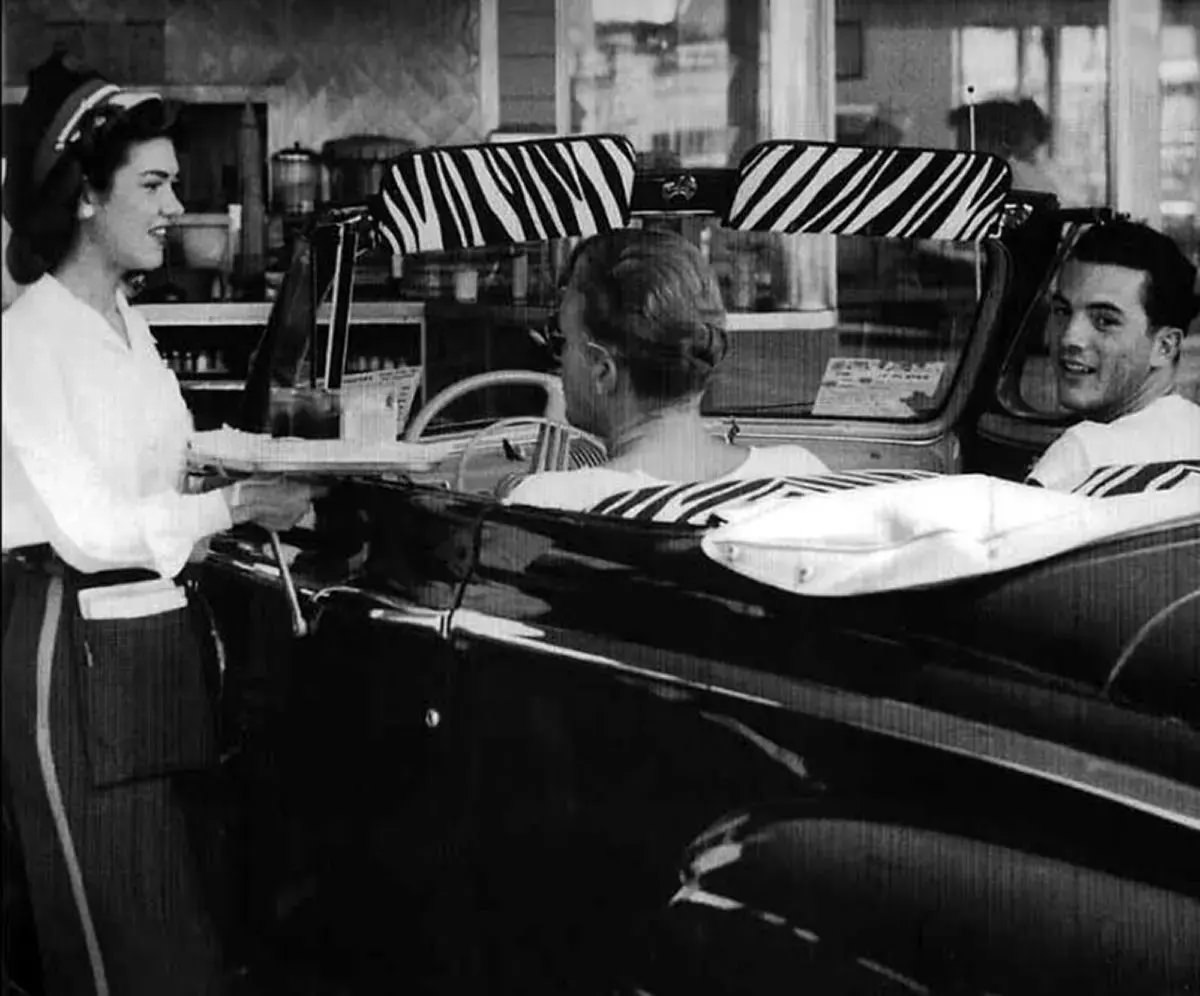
(257, 312)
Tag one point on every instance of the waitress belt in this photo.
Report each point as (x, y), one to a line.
(143, 697)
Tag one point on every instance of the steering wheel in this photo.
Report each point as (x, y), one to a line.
(550, 451)
(556, 402)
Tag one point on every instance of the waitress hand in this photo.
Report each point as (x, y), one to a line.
(273, 503)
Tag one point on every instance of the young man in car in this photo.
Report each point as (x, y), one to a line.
(1119, 312)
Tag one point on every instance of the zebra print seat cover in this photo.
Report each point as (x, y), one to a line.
(1134, 478)
(698, 504)
(790, 186)
(494, 194)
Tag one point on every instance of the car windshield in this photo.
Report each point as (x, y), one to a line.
(877, 331)
(820, 326)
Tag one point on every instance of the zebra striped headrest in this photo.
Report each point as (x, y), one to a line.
(792, 186)
(478, 195)
(698, 504)
(1108, 482)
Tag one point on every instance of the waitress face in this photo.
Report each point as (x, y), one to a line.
(129, 222)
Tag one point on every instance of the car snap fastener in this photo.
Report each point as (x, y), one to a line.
(729, 552)
(803, 574)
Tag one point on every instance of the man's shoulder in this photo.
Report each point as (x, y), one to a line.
(572, 490)
(1166, 429)
(1169, 426)
(1177, 406)
(784, 460)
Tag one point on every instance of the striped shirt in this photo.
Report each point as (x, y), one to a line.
(580, 490)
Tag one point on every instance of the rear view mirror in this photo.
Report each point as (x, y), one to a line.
(492, 194)
(824, 188)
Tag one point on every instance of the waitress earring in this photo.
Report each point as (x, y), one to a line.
(86, 211)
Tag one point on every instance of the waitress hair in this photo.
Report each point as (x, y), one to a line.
(652, 299)
(44, 216)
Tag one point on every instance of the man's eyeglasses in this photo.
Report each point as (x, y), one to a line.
(551, 339)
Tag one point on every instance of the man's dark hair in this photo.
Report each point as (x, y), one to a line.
(1169, 291)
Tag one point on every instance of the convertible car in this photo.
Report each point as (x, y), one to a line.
(909, 727)
(685, 744)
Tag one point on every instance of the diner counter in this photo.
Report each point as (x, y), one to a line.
(255, 313)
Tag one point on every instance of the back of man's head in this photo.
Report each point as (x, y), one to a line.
(1169, 292)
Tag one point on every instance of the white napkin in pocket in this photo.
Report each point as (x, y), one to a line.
(135, 600)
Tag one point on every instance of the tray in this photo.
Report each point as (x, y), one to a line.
(234, 452)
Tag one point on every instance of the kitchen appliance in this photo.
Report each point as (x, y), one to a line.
(356, 164)
(295, 181)
(205, 240)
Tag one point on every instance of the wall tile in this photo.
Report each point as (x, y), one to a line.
(405, 69)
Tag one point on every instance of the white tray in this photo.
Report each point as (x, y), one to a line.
(236, 452)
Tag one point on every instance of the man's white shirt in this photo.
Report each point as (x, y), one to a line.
(1166, 429)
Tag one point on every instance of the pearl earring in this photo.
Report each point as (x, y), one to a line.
(86, 211)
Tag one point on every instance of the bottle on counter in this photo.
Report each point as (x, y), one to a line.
(520, 278)
(743, 285)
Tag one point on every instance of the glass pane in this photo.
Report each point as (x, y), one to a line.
(1057, 143)
(1081, 135)
(989, 61)
(683, 81)
(1179, 78)
(905, 312)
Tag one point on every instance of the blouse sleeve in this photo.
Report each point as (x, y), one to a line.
(90, 526)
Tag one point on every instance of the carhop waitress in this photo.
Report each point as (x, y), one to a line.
(105, 695)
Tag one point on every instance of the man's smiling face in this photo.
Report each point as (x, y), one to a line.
(1104, 347)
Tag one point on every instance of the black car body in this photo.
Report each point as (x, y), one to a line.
(605, 760)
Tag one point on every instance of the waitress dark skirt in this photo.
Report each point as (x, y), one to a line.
(100, 720)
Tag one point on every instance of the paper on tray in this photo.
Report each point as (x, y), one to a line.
(233, 450)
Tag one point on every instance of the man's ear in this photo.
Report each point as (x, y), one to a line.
(604, 369)
(1168, 341)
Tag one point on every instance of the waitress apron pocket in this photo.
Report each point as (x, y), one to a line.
(145, 705)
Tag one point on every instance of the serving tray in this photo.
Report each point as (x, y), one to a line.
(234, 452)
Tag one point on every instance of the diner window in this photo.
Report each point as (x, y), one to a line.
(1179, 87)
(684, 79)
(1179, 82)
(1062, 69)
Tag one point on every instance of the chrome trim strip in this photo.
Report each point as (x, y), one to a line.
(1150, 793)
(47, 641)
(433, 620)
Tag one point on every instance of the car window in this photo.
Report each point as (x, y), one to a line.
(883, 342)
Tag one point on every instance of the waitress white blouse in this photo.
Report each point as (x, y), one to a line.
(94, 440)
